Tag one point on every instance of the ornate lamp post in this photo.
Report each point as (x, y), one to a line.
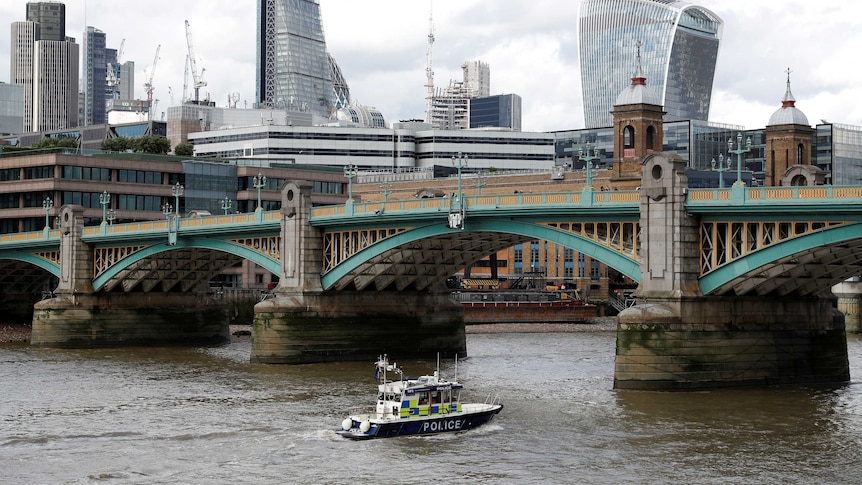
(350, 171)
(167, 210)
(739, 151)
(385, 189)
(721, 168)
(105, 201)
(259, 181)
(225, 205)
(585, 156)
(177, 190)
(112, 215)
(459, 161)
(47, 204)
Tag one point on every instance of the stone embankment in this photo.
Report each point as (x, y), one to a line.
(10, 332)
(598, 324)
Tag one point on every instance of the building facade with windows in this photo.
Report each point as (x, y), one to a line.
(293, 68)
(11, 108)
(140, 186)
(375, 148)
(677, 41)
(46, 63)
(499, 111)
(95, 76)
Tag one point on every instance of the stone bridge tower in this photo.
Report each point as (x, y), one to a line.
(638, 129)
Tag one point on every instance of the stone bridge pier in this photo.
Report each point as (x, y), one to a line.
(678, 338)
(79, 317)
(302, 323)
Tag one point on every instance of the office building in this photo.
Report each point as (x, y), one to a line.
(477, 78)
(499, 111)
(24, 36)
(293, 68)
(679, 46)
(450, 106)
(377, 148)
(46, 63)
(11, 108)
(51, 17)
(339, 84)
(55, 86)
(95, 76)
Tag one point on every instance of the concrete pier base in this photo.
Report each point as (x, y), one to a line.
(849, 294)
(712, 342)
(356, 326)
(114, 320)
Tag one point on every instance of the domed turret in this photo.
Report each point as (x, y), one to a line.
(638, 92)
(788, 140)
(788, 113)
(638, 129)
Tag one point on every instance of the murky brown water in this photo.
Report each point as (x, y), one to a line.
(208, 416)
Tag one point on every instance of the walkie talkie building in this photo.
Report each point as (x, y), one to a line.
(293, 70)
(679, 52)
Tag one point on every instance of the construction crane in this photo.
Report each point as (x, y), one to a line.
(148, 86)
(113, 80)
(197, 77)
(186, 81)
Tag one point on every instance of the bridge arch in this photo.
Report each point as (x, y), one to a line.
(133, 262)
(410, 254)
(30, 258)
(806, 265)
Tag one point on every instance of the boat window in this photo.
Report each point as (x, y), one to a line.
(446, 395)
(435, 397)
(423, 398)
(389, 396)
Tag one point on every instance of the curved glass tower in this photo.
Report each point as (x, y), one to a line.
(679, 53)
(293, 71)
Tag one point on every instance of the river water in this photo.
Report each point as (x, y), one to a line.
(207, 416)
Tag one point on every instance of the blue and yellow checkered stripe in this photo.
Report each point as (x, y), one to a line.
(412, 409)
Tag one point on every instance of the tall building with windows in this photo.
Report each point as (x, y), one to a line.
(498, 111)
(51, 17)
(293, 68)
(95, 76)
(679, 51)
(46, 63)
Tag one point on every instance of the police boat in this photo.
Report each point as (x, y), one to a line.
(416, 406)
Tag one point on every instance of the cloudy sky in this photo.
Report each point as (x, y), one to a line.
(530, 45)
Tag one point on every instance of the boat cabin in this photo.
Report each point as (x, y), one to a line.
(414, 397)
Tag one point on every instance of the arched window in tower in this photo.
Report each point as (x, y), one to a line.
(650, 138)
(800, 159)
(629, 137)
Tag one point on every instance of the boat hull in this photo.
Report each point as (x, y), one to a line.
(447, 423)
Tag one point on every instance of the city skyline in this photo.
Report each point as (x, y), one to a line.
(531, 48)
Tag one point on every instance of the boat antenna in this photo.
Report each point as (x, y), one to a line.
(456, 367)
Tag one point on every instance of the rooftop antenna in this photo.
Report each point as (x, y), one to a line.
(429, 69)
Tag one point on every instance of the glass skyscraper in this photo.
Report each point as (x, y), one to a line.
(679, 51)
(95, 76)
(293, 70)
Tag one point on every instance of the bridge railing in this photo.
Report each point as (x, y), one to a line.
(770, 195)
(517, 200)
(189, 223)
(29, 237)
